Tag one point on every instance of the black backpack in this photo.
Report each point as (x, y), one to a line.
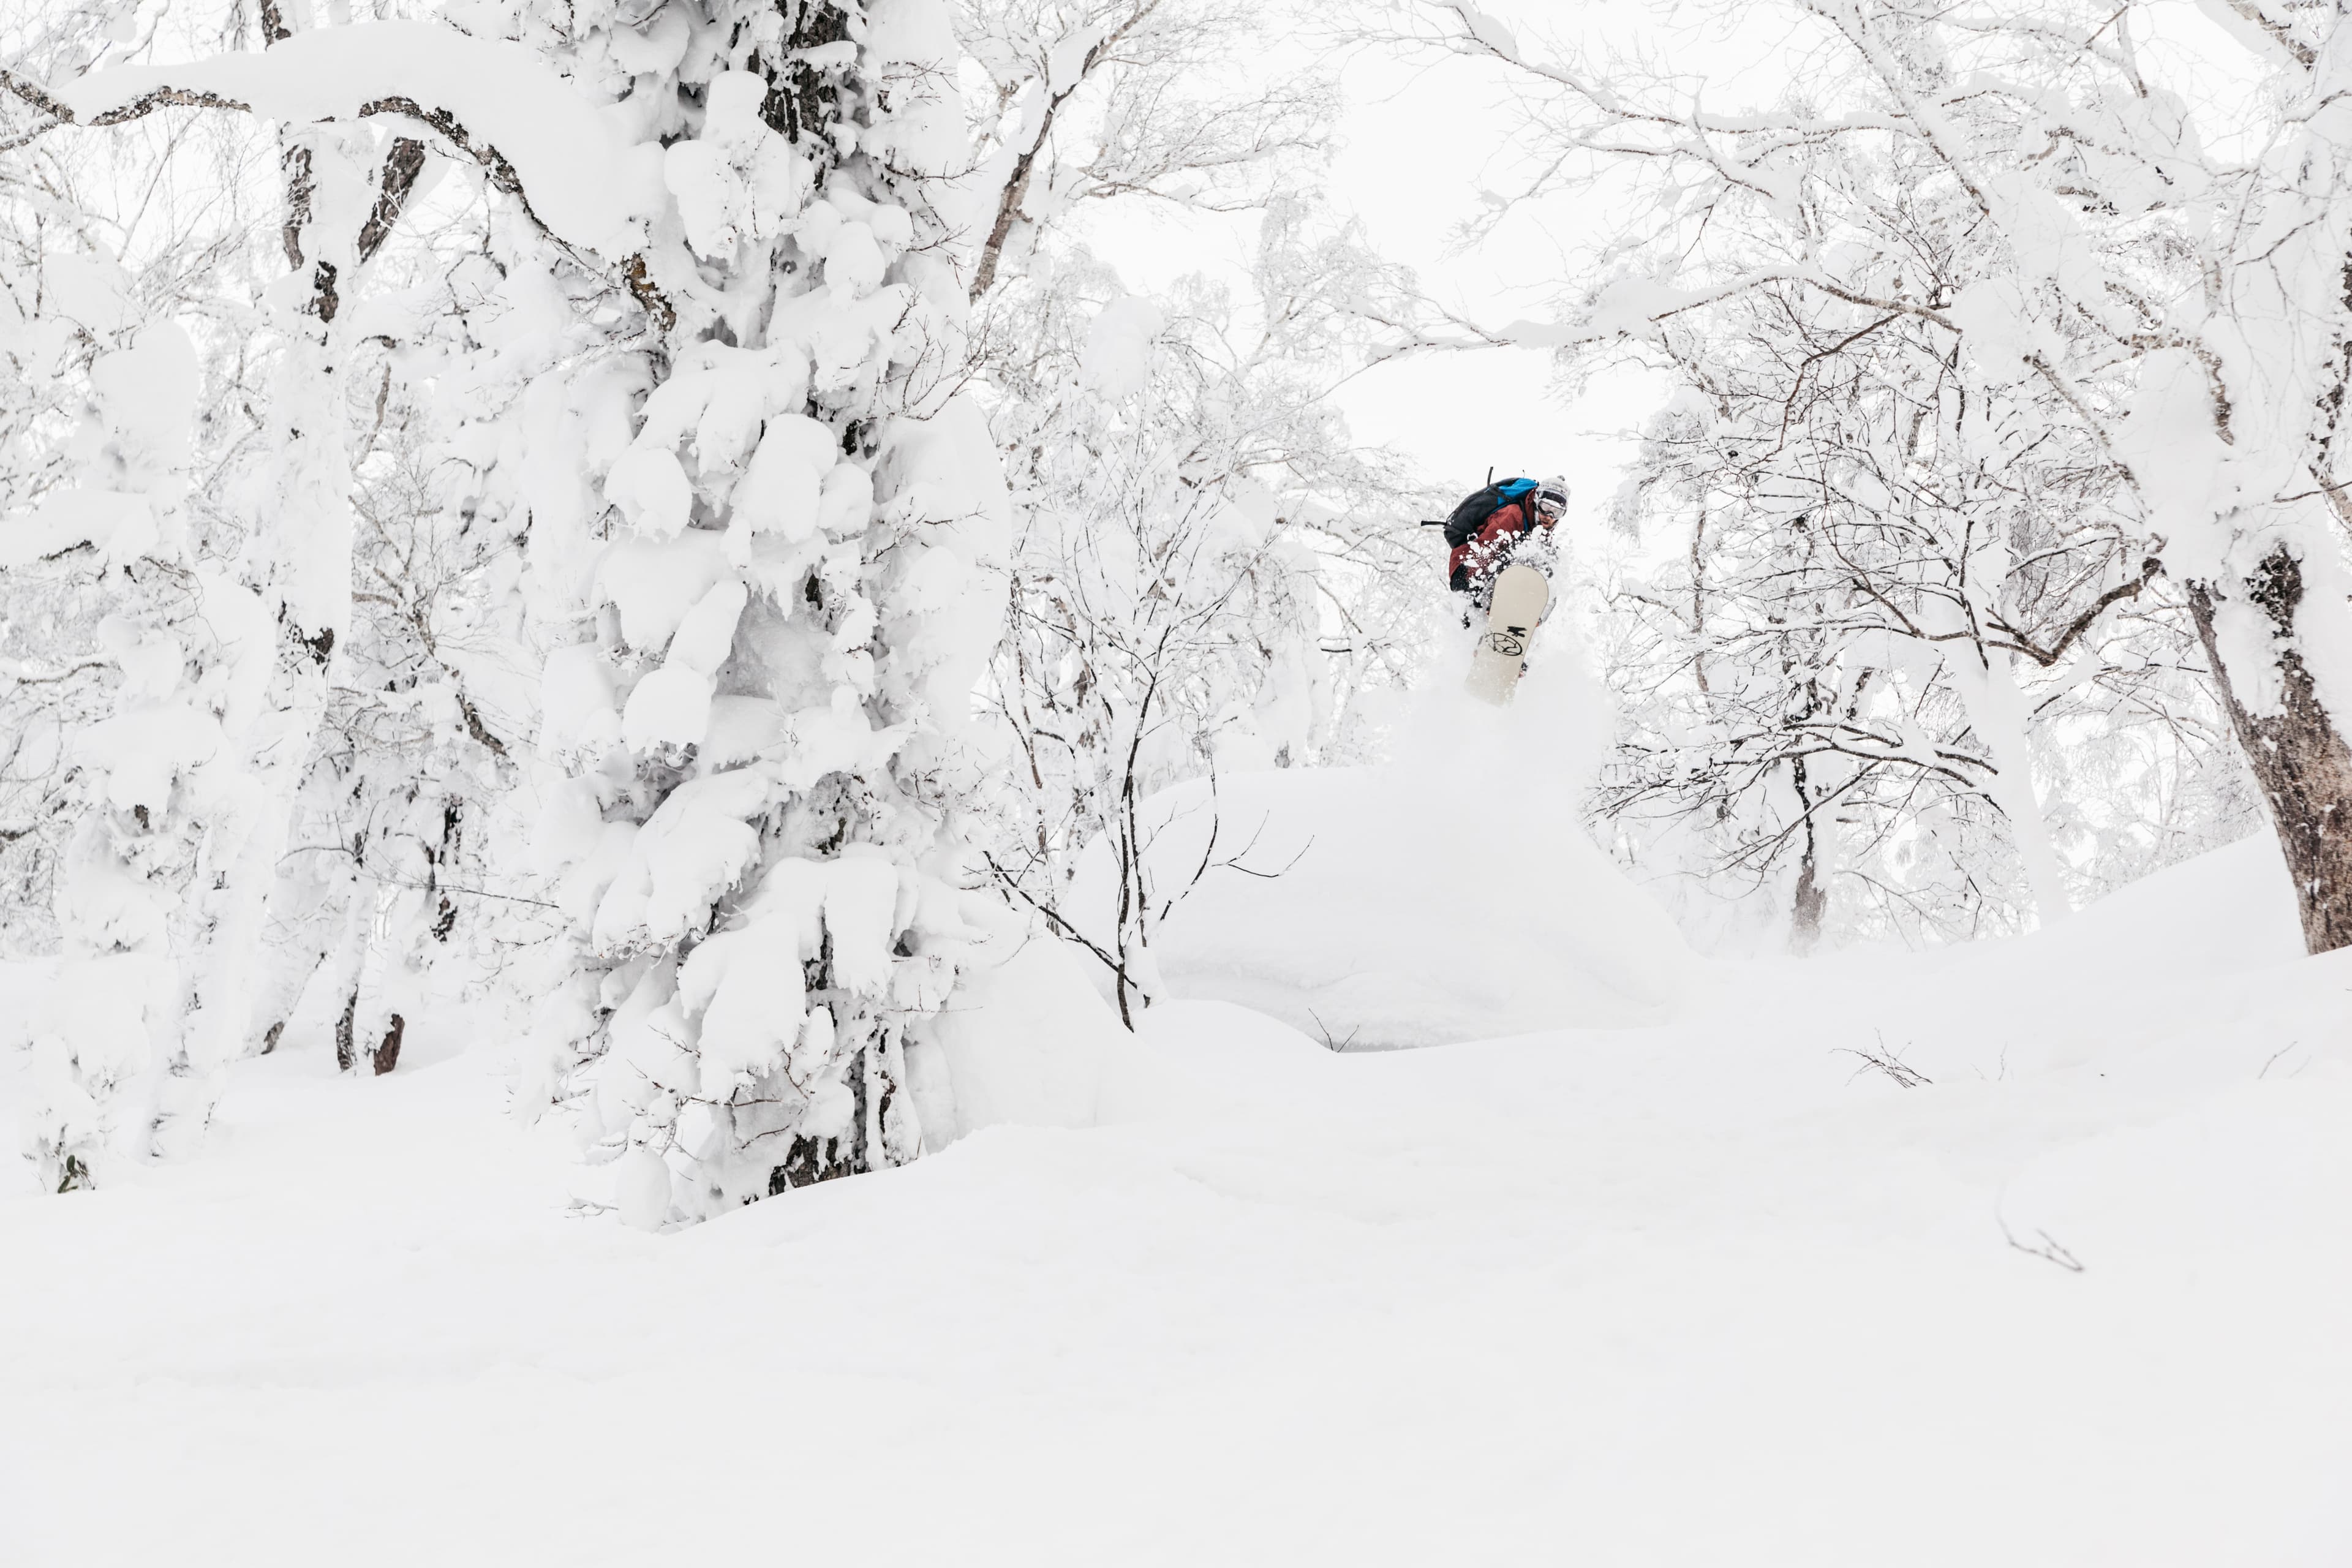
(1480, 504)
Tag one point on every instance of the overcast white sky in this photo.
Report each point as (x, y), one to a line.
(1416, 146)
(1417, 151)
(1419, 142)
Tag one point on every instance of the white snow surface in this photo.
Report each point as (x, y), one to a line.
(1697, 1292)
(1452, 894)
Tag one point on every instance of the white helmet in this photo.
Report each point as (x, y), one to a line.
(1551, 498)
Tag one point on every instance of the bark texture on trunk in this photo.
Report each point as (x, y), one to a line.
(386, 1054)
(2298, 754)
(1812, 899)
(347, 1052)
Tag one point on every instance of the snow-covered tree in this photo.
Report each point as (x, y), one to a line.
(777, 589)
(232, 733)
(691, 400)
(1206, 568)
(1879, 590)
(1196, 539)
(2177, 295)
(272, 594)
(141, 657)
(139, 779)
(404, 864)
(1085, 101)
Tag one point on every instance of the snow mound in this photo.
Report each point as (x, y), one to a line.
(2227, 912)
(2223, 912)
(1451, 895)
(2106, 1295)
(1026, 1044)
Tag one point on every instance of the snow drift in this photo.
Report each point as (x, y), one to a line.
(1452, 894)
(1691, 1295)
(1027, 1045)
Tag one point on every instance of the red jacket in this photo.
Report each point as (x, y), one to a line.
(1484, 550)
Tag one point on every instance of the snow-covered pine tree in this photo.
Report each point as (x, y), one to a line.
(781, 601)
(776, 556)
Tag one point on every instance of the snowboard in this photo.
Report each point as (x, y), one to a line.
(1521, 594)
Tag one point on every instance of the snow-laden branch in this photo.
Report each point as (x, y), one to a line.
(491, 102)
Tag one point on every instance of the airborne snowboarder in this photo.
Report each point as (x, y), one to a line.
(1502, 550)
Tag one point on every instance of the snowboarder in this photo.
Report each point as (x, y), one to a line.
(1502, 540)
(1521, 513)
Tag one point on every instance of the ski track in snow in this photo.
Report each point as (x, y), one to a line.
(1699, 1293)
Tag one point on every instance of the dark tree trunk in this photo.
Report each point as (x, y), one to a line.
(2297, 752)
(1812, 899)
(813, 1159)
(346, 1052)
(386, 1054)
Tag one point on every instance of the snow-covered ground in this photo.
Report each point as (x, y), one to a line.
(1450, 894)
(1697, 1292)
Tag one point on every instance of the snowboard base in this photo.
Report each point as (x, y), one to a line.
(1517, 604)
